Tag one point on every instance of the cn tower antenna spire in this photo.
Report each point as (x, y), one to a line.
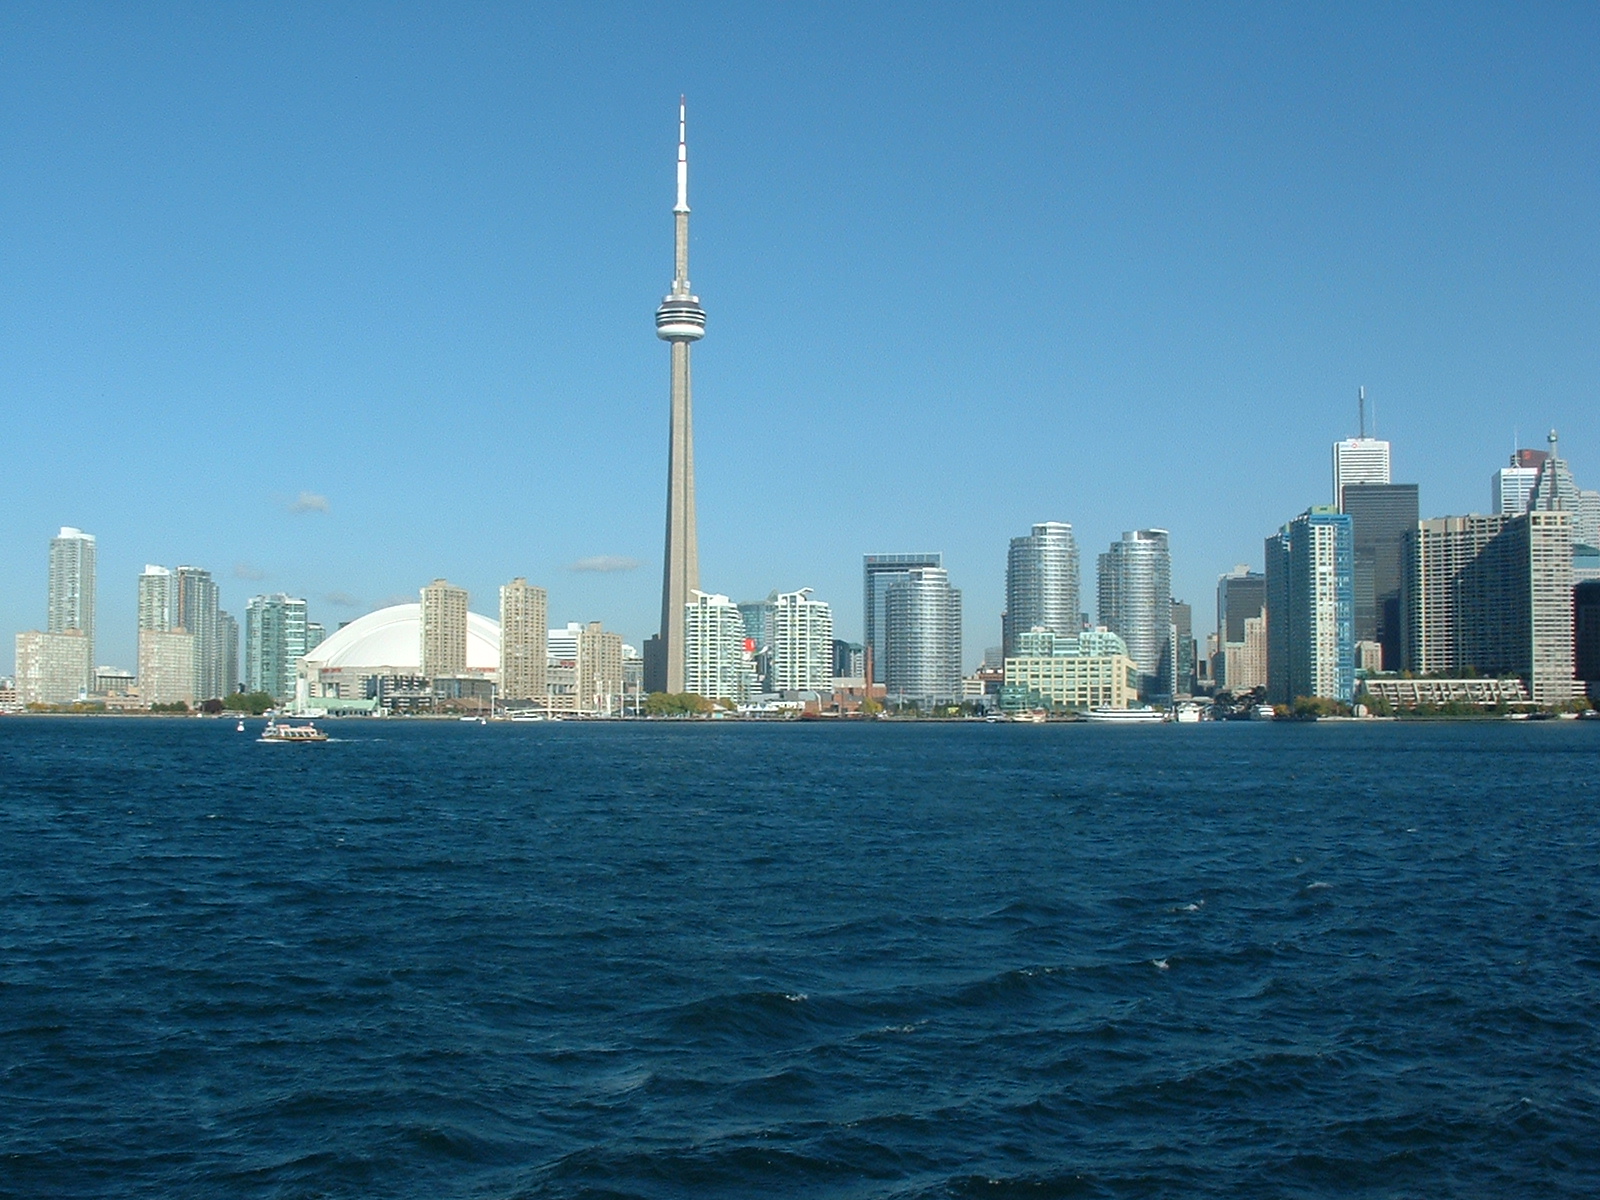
(682, 206)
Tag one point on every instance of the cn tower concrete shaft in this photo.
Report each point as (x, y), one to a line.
(680, 321)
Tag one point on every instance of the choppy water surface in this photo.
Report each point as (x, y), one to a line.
(668, 960)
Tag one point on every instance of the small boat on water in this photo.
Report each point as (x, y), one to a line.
(240, 728)
(1125, 716)
(292, 733)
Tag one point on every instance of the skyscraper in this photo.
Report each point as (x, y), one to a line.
(1042, 583)
(717, 663)
(155, 598)
(1513, 484)
(1493, 595)
(524, 641)
(194, 608)
(1380, 514)
(70, 603)
(1310, 608)
(801, 641)
(1241, 635)
(1135, 603)
(680, 321)
(878, 573)
(275, 640)
(228, 652)
(1555, 490)
(444, 629)
(922, 637)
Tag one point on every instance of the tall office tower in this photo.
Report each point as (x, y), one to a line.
(879, 572)
(1586, 636)
(1041, 583)
(228, 641)
(1241, 597)
(1555, 490)
(1183, 640)
(444, 629)
(1513, 484)
(1135, 602)
(1381, 514)
(680, 321)
(71, 589)
(194, 608)
(922, 637)
(274, 642)
(1493, 595)
(155, 598)
(1310, 608)
(561, 646)
(802, 643)
(52, 667)
(717, 664)
(167, 667)
(524, 641)
(599, 670)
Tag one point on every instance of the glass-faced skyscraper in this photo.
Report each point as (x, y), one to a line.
(1310, 608)
(878, 573)
(1135, 602)
(1381, 514)
(1042, 583)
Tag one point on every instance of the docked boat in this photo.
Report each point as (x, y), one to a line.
(1126, 716)
(292, 733)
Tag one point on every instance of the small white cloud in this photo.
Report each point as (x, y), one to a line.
(605, 564)
(244, 570)
(309, 502)
(342, 600)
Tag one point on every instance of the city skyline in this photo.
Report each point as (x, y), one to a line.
(188, 286)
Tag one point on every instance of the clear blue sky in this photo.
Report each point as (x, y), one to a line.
(967, 268)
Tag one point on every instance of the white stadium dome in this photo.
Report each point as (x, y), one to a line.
(389, 641)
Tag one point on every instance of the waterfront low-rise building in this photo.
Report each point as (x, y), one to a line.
(52, 668)
(1069, 674)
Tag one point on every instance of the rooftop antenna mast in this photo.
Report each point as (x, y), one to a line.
(1361, 402)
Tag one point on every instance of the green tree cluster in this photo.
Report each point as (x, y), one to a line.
(676, 704)
(254, 703)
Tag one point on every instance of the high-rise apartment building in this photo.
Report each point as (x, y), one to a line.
(1493, 595)
(718, 662)
(600, 680)
(1310, 608)
(1135, 603)
(1241, 597)
(922, 637)
(228, 652)
(879, 572)
(194, 608)
(524, 641)
(71, 597)
(275, 641)
(1042, 583)
(167, 669)
(444, 630)
(1381, 514)
(52, 668)
(801, 643)
(155, 598)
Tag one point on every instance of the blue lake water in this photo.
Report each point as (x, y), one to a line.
(665, 960)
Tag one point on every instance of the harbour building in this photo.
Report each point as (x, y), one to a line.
(1072, 673)
(879, 572)
(922, 637)
(1135, 603)
(1042, 583)
(1310, 590)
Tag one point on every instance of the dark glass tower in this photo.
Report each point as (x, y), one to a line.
(1380, 516)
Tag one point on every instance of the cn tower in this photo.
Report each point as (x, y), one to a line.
(679, 321)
